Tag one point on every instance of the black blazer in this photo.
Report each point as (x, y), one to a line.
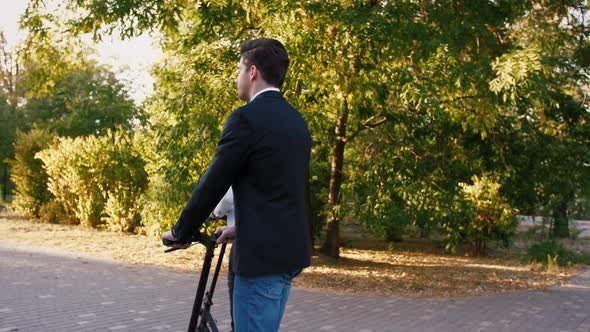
(264, 154)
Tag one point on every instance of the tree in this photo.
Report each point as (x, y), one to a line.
(87, 100)
(434, 96)
(54, 84)
(69, 92)
(543, 83)
(64, 88)
(405, 100)
(10, 118)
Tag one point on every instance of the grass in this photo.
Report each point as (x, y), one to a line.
(413, 268)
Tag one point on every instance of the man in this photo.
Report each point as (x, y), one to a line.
(264, 155)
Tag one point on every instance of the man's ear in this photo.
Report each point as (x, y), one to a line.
(253, 72)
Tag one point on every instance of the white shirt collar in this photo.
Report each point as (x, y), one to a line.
(264, 90)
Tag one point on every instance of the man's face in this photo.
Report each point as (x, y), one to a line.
(243, 80)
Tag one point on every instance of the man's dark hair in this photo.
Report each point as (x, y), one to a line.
(269, 56)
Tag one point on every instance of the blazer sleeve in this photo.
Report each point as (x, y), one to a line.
(229, 159)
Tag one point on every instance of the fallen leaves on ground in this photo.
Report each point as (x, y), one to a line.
(412, 268)
(418, 274)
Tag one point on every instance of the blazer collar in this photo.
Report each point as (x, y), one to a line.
(268, 91)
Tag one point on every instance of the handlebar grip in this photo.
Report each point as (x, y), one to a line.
(194, 238)
(197, 237)
(167, 242)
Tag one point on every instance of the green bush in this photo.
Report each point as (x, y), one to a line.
(210, 227)
(125, 179)
(97, 180)
(72, 165)
(494, 218)
(52, 212)
(176, 156)
(395, 229)
(162, 204)
(539, 252)
(27, 172)
(381, 211)
(454, 214)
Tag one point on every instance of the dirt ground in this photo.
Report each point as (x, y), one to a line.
(414, 268)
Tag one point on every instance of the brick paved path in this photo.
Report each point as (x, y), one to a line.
(51, 291)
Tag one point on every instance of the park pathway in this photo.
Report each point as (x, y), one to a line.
(43, 290)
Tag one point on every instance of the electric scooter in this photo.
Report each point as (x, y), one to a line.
(201, 318)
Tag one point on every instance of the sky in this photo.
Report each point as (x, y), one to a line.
(130, 59)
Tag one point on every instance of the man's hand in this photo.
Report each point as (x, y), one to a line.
(168, 236)
(225, 233)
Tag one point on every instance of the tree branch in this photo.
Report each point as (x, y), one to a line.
(365, 125)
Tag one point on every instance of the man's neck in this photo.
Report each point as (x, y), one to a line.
(262, 89)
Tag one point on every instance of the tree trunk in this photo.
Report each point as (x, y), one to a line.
(5, 183)
(560, 220)
(480, 246)
(310, 218)
(331, 246)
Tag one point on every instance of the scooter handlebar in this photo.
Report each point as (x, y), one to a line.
(204, 240)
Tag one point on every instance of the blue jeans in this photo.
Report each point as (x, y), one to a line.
(259, 302)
